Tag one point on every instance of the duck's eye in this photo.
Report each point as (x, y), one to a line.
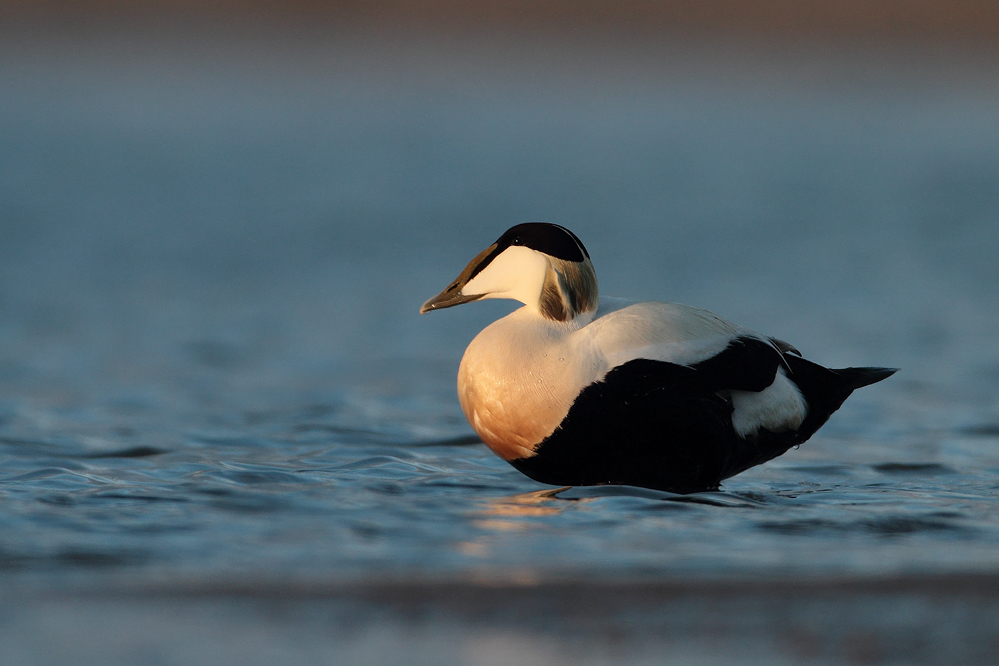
(517, 240)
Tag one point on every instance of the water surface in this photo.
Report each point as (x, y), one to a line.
(211, 362)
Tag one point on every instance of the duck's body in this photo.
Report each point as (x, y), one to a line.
(658, 395)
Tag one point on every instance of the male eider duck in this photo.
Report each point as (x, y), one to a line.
(658, 395)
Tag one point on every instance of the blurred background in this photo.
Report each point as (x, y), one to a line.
(227, 435)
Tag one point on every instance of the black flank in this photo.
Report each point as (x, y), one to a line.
(665, 426)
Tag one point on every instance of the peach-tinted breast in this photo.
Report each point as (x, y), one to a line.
(517, 381)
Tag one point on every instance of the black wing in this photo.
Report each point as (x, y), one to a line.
(666, 426)
(661, 425)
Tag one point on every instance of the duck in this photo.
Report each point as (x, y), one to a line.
(574, 390)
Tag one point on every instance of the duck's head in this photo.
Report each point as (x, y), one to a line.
(544, 266)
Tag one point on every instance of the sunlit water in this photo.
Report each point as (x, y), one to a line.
(212, 365)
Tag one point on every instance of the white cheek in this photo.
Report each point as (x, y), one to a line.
(517, 273)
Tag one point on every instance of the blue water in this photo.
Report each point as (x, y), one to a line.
(213, 254)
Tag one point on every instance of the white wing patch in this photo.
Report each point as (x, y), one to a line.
(778, 407)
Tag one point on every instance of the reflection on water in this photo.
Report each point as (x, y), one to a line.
(514, 513)
(502, 514)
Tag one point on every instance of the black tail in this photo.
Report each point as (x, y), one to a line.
(860, 377)
(826, 389)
